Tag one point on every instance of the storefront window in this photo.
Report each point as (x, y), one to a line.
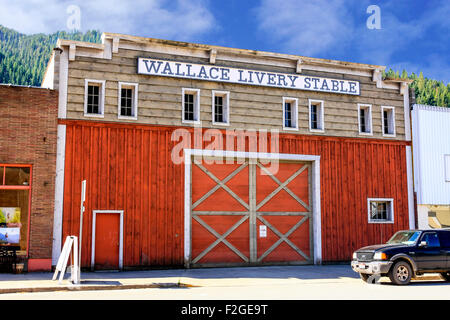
(15, 191)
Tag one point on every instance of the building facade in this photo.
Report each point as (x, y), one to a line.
(28, 133)
(201, 155)
(432, 165)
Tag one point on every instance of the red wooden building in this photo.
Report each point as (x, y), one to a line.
(201, 155)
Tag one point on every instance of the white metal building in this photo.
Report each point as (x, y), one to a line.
(431, 149)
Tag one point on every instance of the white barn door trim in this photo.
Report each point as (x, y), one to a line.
(315, 160)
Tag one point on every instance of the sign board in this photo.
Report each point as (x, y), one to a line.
(165, 68)
(70, 249)
(10, 226)
(263, 231)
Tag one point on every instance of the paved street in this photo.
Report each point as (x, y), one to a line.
(259, 283)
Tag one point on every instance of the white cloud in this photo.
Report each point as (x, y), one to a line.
(180, 19)
(306, 27)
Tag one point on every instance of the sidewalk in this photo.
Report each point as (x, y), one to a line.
(179, 278)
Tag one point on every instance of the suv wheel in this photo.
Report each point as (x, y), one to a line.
(445, 276)
(400, 273)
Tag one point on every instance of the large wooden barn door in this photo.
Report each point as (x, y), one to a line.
(245, 214)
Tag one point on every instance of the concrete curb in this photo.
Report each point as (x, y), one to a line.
(96, 287)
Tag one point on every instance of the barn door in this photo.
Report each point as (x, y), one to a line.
(244, 214)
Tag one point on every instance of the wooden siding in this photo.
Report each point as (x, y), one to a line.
(250, 106)
(129, 167)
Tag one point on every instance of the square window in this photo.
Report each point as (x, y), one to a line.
(127, 100)
(316, 116)
(365, 119)
(388, 121)
(94, 98)
(191, 105)
(381, 210)
(220, 107)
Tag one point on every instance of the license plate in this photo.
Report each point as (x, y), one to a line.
(362, 266)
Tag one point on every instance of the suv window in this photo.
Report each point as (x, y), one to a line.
(444, 237)
(431, 239)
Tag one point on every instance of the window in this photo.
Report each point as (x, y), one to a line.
(380, 210)
(447, 167)
(432, 239)
(388, 121)
(220, 107)
(127, 100)
(290, 114)
(191, 105)
(15, 193)
(94, 96)
(365, 119)
(316, 116)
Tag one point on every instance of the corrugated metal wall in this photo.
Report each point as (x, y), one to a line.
(431, 141)
(128, 167)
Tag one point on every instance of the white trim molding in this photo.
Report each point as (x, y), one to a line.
(135, 88)
(410, 181)
(226, 107)
(321, 115)
(316, 214)
(294, 113)
(94, 216)
(196, 93)
(368, 119)
(59, 193)
(101, 103)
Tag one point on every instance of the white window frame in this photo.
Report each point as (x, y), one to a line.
(101, 100)
(391, 206)
(447, 167)
(321, 115)
(196, 93)
(369, 107)
(294, 104)
(392, 121)
(135, 88)
(226, 112)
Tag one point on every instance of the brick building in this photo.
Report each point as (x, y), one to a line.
(28, 134)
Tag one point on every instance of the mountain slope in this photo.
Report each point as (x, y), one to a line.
(23, 58)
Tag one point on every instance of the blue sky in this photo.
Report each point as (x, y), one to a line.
(414, 34)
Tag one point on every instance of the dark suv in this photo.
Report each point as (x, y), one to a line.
(407, 254)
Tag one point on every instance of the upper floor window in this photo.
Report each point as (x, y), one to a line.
(380, 210)
(388, 121)
(191, 105)
(290, 114)
(316, 116)
(220, 107)
(127, 100)
(94, 98)
(365, 119)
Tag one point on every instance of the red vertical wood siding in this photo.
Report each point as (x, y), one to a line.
(128, 167)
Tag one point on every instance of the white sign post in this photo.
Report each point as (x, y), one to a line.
(83, 199)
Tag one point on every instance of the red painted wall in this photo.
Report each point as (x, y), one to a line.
(128, 167)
